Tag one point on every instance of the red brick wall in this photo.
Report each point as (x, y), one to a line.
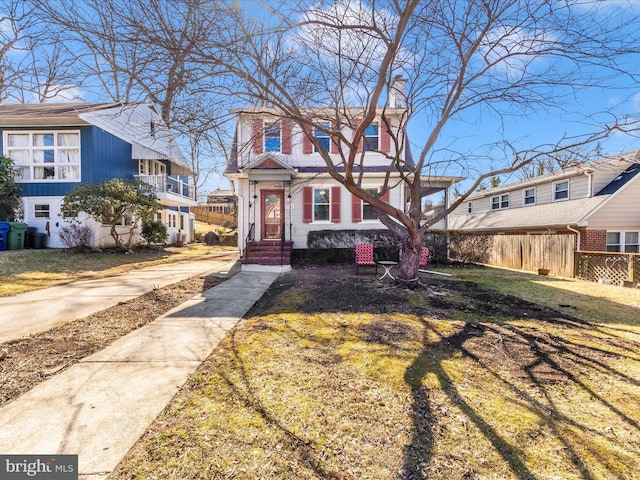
(594, 241)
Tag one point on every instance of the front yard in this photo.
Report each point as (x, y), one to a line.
(488, 374)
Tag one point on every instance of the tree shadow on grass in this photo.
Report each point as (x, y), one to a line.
(544, 351)
(549, 360)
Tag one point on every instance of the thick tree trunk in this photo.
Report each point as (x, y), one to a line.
(411, 245)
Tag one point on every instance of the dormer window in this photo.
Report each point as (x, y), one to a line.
(561, 191)
(529, 196)
(500, 202)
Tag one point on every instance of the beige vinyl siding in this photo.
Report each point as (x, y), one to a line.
(621, 213)
(482, 204)
(515, 198)
(543, 193)
(579, 187)
(461, 209)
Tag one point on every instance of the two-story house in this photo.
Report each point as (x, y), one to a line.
(56, 147)
(597, 202)
(283, 188)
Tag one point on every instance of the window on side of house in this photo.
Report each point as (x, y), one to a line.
(151, 167)
(41, 210)
(631, 244)
(372, 137)
(44, 156)
(561, 191)
(529, 196)
(321, 204)
(272, 137)
(469, 207)
(368, 212)
(500, 202)
(322, 136)
(613, 241)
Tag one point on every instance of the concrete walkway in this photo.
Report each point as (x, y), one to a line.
(40, 310)
(101, 406)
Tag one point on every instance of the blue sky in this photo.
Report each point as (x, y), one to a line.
(470, 134)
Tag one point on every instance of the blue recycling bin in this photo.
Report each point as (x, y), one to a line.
(4, 233)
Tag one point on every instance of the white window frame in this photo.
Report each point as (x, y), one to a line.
(43, 212)
(272, 126)
(322, 220)
(614, 246)
(376, 147)
(556, 191)
(57, 164)
(151, 167)
(525, 197)
(624, 242)
(628, 243)
(322, 135)
(373, 191)
(502, 202)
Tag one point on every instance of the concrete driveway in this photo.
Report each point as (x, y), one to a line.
(33, 312)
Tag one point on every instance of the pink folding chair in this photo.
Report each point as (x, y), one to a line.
(424, 257)
(364, 256)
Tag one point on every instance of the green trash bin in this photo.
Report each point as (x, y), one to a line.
(16, 235)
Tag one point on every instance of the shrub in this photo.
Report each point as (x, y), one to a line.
(77, 237)
(154, 233)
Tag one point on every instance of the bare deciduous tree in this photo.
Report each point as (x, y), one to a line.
(135, 50)
(461, 59)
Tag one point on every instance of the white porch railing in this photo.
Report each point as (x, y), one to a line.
(168, 184)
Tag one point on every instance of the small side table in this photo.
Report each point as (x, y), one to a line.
(387, 265)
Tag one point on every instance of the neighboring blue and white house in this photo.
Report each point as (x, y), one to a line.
(284, 190)
(59, 146)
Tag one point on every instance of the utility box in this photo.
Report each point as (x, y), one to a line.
(4, 233)
(16, 235)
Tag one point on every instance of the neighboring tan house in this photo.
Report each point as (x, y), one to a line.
(220, 201)
(59, 146)
(598, 202)
(284, 191)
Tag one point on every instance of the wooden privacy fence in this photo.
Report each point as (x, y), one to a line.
(215, 218)
(521, 252)
(608, 267)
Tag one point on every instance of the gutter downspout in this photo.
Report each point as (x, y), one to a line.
(571, 229)
(575, 254)
(241, 235)
(589, 173)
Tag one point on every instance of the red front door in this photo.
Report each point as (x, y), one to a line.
(272, 214)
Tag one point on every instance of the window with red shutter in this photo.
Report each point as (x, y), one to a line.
(307, 204)
(385, 136)
(258, 135)
(286, 135)
(307, 146)
(356, 209)
(335, 204)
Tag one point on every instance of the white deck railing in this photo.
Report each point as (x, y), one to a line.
(168, 184)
